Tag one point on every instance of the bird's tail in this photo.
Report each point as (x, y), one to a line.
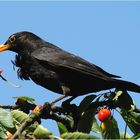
(125, 85)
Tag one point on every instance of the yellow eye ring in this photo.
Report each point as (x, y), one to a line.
(12, 39)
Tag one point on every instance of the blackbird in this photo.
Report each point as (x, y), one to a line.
(57, 70)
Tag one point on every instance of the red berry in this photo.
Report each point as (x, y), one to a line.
(37, 108)
(1, 71)
(104, 114)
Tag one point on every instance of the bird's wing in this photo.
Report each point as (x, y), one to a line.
(62, 59)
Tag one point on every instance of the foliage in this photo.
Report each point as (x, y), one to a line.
(73, 121)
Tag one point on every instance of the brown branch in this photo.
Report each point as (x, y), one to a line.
(9, 106)
(94, 105)
(110, 103)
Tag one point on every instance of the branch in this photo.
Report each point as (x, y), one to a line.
(94, 105)
(110, 103)
(9, 106)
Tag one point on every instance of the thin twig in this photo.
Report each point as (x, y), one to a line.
(9, 106)
(102, 103)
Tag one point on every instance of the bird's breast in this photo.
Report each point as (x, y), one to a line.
(41, 74)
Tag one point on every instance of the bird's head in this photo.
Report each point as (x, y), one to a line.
(19, 41)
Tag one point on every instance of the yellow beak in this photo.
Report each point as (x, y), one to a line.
(4, 47)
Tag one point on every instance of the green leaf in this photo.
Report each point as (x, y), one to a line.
(2, 134)
(127, 136)
(135, 136)
(77, 135)
(30, 129)
(95, 127)
(6, 120)
(42, 133)
(19, 116)
(86, 102)
(29, 99)
(122, 96)
(86, 121)
(62, 128)
(110, 129)
(132, 119)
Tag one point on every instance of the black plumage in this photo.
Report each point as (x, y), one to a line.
(58, 70)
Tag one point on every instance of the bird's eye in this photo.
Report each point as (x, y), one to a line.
(12, 39)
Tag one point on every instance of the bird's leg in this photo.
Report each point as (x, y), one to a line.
(58, 99)
(65, 94)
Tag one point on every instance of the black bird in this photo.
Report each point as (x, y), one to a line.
(58, 70)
